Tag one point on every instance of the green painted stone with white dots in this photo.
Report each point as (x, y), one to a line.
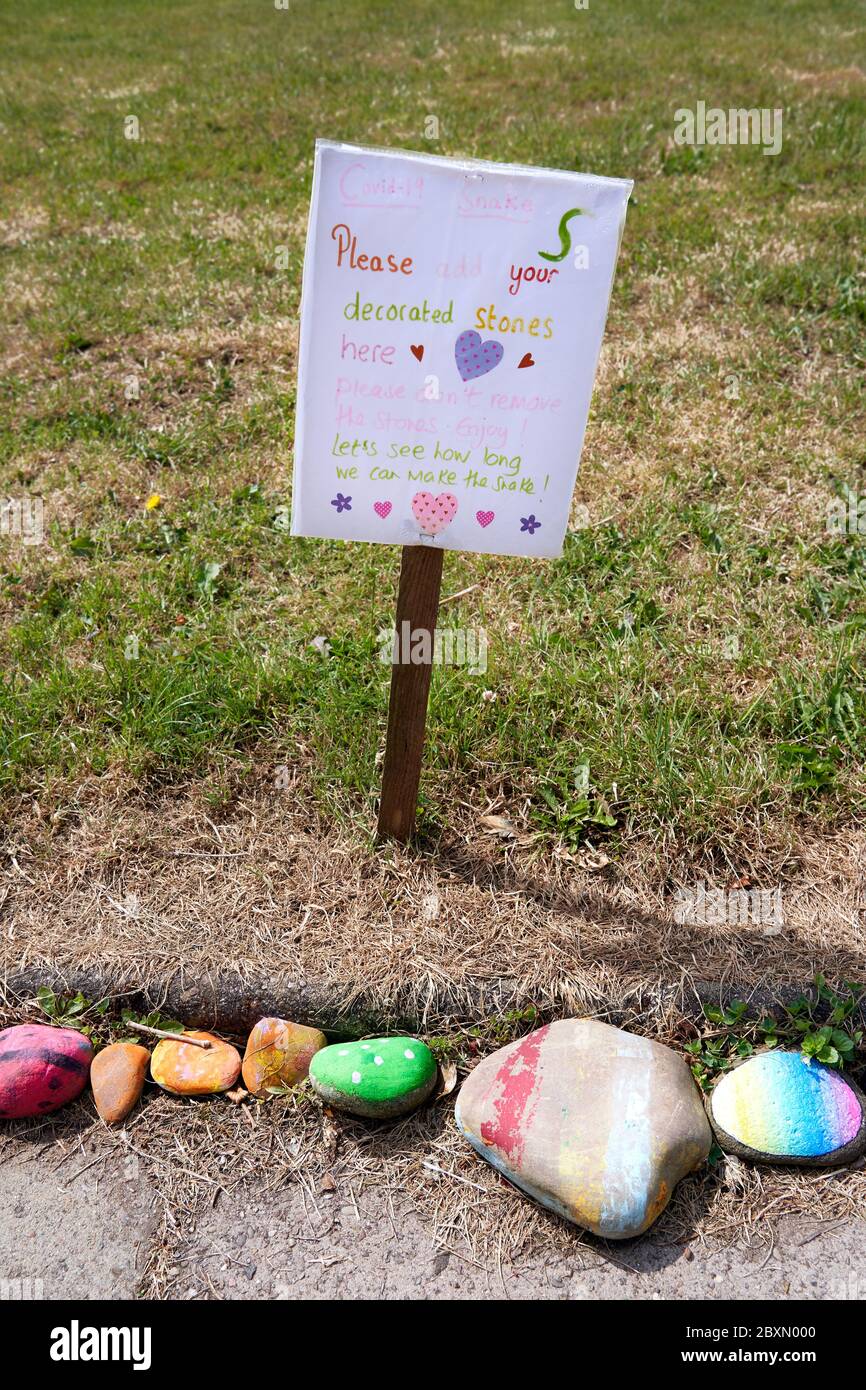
(378, 1078)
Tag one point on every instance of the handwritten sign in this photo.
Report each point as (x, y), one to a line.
(451, 320)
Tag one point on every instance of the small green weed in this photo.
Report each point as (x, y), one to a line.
(822, 1028)
(72, 1010)
(95, 1020)
(571, 810)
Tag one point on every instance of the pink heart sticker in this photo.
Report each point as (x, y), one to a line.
(433, 514)
(484, 518)
(382, 509)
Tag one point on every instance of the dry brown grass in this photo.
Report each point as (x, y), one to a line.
(159, 891)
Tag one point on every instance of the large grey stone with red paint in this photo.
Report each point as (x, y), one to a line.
(595, 1123)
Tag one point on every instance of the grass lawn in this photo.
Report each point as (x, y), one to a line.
(188, 787)
(699, 645)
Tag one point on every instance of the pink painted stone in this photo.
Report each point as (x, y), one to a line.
(41, 1068)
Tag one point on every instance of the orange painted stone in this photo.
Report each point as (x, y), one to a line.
(279, 1053)
(117, 1076)
(195, 1071)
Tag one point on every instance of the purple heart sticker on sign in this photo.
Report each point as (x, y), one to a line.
(475, 358)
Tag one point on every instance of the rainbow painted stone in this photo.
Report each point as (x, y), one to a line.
(595, 1123)
(779, 1108)
(379, 1078)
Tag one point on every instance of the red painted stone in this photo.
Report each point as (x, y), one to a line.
(41, 1068)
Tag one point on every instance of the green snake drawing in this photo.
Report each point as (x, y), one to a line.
(564, 236)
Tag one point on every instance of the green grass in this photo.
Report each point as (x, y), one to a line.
(699, 646)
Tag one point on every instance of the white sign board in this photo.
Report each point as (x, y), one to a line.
(451, 320)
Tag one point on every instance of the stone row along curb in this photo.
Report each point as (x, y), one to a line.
(596, 1123)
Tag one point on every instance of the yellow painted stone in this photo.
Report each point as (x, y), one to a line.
(279, 1053)
(195, 1071)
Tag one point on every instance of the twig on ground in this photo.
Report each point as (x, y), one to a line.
(460, 594)
(167, 1033)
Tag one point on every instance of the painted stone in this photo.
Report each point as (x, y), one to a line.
(378, 1078)
(279, 1053)
(597, 1124)
(195, 1071)
(779, 1108)
(117, 1078)
(41, 1068)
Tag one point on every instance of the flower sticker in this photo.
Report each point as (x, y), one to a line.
(343, 504)
(529, 523)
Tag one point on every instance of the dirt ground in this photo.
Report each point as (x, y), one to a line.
(85, 1226)
(220, 918)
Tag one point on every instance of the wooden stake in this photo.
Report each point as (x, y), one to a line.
(417, 606)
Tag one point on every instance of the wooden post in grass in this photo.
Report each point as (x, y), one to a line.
(417, 605)
(336, 496)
